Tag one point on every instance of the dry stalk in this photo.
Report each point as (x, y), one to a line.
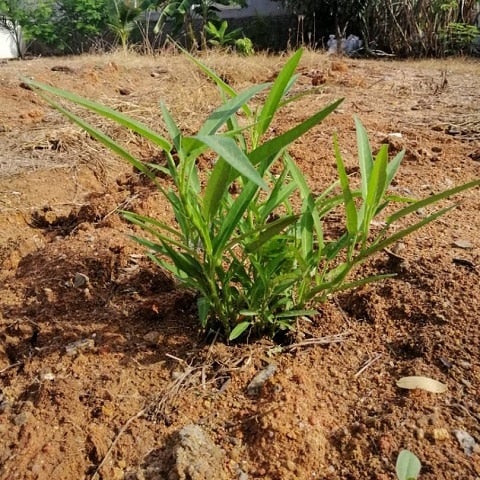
(368, 364)
(326, 340)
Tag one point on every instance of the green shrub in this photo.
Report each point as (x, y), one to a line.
(222, 37)
(250, 240)
(459, 37)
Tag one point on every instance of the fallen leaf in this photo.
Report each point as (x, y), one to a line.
(423, 383)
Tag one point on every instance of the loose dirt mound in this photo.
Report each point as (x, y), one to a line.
(101, 359)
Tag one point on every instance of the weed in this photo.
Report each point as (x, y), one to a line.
(250, 239)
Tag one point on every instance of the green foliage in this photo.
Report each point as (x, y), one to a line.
(249, 236)
(220, 37)
(459, 37)
(413, 27)
(9, 20)
(403, 27)
(61, 25)
(183, 13)
(123, 17)
(79, 23)
(408, 466)
(244, 46)
(34, 18)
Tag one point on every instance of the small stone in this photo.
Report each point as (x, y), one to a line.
(62, 68)
(440, 434)
(47, 376)
(436, 149)
(420, 433)
(464, 244)
(80, 346)
(22, 418)
(475, 156)
(453, 130)
(242, 475)
(195, 456)
(255, 386)
(124, 91)
(152, 338)
(291, 465)
(467, 442)
(5, 403)
(80, 280)
(49, 295)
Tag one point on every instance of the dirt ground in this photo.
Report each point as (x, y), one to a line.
(101, 358)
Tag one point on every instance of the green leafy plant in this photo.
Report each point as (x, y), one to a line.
(244, 46)
(183, 13)
(249, 233)
(459, 37)
(123, 19)
(34, 20)
(220, 37)
(408, 466)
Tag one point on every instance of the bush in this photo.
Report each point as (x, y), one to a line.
(250, 242)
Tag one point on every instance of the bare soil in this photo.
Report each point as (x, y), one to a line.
(101, 357)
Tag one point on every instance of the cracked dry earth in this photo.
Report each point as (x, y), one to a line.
(104, 373)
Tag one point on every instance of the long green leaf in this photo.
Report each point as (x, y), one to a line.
(233, 155)
(393, 166)
(278, 196)
(350, 208)
(271, 229)
(106, 112)
(277, 144)
(400, 234)
(104, 140)
(376, 186)
(142, 220)
(220, 116)
(364, 156)
(276, 93)
(238, 330)
(216, 188)
(237, 240)
(230, 222)
(173, 130)
(431, 200)
(310, 219)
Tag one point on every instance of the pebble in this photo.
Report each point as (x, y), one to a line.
(420, 433)
(80, 280)
(242, 475)
(260, 378)
(291, 466)
(464, 244)
(440, 434)
(467, 442)
(80, 346)
(21, 419)
(47, 376)
(152, 337)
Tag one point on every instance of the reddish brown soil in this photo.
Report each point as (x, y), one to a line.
(144, 370)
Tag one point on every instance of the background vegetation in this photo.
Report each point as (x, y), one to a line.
(402, 27)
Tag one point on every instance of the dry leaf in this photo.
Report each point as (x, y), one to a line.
(423, 383)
